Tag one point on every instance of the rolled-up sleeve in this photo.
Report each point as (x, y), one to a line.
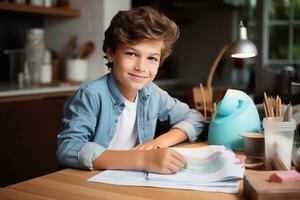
(188, 129)
(74, 148)
(88, 153)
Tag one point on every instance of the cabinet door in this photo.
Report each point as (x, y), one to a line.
(28, 138)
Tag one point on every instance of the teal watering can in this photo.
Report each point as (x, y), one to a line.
(236, 114)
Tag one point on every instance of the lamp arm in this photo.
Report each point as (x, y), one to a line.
(215, 64)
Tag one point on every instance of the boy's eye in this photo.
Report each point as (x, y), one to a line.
(153, 59)
(130, 53)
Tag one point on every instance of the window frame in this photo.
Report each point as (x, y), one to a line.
(266, 22)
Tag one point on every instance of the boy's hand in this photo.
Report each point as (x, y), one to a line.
(153, 144)
(163, 160)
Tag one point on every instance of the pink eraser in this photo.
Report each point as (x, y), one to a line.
(285, 176)
(241, 157)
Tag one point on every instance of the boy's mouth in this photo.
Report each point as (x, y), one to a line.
(138, 76)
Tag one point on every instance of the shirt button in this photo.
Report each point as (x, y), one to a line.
(145, 98)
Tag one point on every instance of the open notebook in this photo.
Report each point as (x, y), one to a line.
(211, 168)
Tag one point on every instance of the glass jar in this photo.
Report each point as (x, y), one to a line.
(34, 51)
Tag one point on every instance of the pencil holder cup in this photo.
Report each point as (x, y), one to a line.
(279, 136)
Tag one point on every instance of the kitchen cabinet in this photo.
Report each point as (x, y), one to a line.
(28, 127)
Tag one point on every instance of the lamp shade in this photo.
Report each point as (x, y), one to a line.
(243, 48)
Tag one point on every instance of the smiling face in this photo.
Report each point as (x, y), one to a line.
(135, 65)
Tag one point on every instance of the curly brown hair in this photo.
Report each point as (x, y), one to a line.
(128, 27)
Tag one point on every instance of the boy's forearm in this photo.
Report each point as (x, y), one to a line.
(117, 159)
(161, 160)
(172, 137)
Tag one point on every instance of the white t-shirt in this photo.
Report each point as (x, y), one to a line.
(126, 132)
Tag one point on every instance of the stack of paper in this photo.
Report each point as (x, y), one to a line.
(210, 168)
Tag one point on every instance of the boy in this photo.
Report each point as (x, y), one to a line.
(110, 122)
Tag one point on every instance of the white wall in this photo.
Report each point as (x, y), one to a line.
(111, 7)
(95, 17)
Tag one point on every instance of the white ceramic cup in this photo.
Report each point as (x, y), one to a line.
(76, 70)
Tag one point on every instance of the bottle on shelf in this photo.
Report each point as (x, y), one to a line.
(46, 69)
(34, 51)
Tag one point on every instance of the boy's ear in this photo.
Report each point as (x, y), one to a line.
(110, 55)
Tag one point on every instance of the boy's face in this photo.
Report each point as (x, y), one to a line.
(135, 65)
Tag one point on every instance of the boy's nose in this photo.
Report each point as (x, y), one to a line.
(140, 65)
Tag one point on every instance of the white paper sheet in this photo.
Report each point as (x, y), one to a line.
(136, 178)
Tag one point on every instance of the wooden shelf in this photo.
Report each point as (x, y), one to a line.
(55, 11)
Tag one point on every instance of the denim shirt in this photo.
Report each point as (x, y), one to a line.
(91, 117)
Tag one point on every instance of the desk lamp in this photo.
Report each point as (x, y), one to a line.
(242, 48)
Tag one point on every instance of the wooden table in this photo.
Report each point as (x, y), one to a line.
(72, 184)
